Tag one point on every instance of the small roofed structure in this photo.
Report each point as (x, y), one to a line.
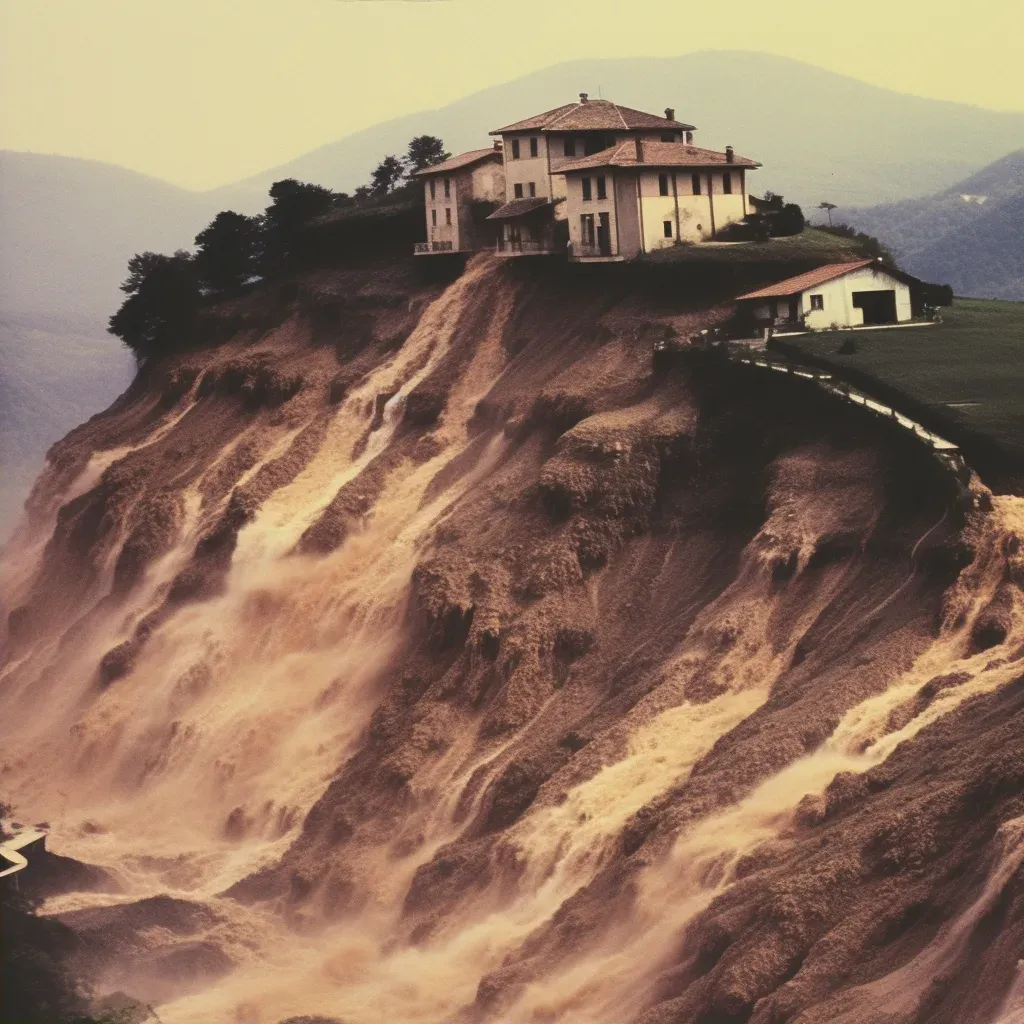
(856, 294)
(459, 193)
(528, 224)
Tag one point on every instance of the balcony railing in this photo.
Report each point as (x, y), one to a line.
(420, 248)
(510, 245)
(580, 251)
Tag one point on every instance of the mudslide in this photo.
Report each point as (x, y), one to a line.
(422, 654)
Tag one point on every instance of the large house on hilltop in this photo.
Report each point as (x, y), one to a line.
(593, 179)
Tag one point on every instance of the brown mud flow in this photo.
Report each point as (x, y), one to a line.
(421, 654)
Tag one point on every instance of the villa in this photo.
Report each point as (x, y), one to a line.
(592, 179)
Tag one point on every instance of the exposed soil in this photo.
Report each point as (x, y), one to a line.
(448, 661)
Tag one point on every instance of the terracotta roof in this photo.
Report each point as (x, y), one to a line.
(655, 154)
(454, 163)
(594, 115)
(518, 207)
(800, 283)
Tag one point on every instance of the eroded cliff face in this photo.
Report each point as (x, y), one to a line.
(419, 654)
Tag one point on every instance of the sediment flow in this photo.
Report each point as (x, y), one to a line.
(422, 654)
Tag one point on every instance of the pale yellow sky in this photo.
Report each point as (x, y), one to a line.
(203, 92)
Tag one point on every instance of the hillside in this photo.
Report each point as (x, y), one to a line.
(970, 235)
(420, 648)
(886, 146)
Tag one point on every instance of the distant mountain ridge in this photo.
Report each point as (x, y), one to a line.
(69, 226)
(970, 235)
(820, 135)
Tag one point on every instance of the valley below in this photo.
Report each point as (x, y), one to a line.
(425, 652)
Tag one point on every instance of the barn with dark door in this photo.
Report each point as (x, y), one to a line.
(860, 294)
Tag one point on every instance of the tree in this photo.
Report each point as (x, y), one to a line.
(828, 207)
(228, 252)
(386, 176)
(162, 304)
(425, 151)
(788, 221)
(294, 204)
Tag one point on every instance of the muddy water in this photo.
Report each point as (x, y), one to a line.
(197, 769)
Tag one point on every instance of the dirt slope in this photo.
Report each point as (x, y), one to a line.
(420, 653)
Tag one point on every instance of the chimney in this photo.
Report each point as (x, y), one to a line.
(670, 114)
(583, 97)
(729, 155)
(639, 150)
(689, 138)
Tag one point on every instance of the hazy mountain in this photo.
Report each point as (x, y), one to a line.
(69, 226)
(970, 236)
(68, 229)
(820, 135)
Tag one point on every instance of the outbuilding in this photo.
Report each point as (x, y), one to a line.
(858, 294)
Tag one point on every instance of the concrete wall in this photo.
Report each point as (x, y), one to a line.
(437, 204)
(837, 296)
(694, 211)
(576, 206)
(628, 210)
(526, 168)
(488, 181)
(480, 181)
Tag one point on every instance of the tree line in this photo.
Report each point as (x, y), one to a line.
(165, 292)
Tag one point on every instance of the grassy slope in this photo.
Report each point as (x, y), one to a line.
(976, 355)
(810, 245)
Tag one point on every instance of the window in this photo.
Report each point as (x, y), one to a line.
(696, 184)
(662, 184)
(448, 215)
(447, 188)
(569, 147)
(515, 149)
(533, 147)
(601, 191)
(668, 137)
(533, 188)
(433, 215)
(433, 189)
(817, 302)
(587, 228)
(585, 182)
(517, 189)
(666, 228)
(727, 184)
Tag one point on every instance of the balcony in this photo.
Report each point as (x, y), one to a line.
(523, 246)
(425, 248)
(592, 252)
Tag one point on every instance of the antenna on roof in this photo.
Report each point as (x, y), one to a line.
(599, 96)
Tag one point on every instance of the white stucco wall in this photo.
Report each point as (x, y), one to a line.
(576, 206)
(487, 181)
(442, 231)
(837, 297)
(695, 211)
(526, 168)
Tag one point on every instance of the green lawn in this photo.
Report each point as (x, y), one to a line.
(810, 245)
(967, 371)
